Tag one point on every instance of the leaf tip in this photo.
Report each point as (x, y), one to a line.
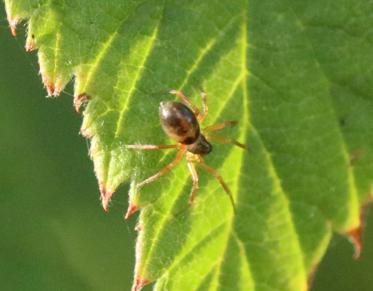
(139, 283)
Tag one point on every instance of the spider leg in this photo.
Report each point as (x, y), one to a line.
(164, 170)
(194, 175)
(215, 173)
(186, 100)
(151, 146)
(221, 125)
(226, 140)
(205, 108)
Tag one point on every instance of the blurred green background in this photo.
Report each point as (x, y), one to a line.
(53, 232)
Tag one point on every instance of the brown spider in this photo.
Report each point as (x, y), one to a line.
(181, 122)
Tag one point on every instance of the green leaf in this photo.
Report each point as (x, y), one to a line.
(295, 74)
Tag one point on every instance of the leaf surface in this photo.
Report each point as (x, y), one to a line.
(295, 75)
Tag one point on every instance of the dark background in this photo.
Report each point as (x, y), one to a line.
(53, 232)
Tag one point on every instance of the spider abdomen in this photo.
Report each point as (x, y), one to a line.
(179, 122)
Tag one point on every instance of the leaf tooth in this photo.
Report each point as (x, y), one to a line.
(105, 196)
(30, 45)
(132, 205)
(13, 25)
(132, 208)
(54, 80)
(355, 235)
(53, 88)
(311, 277)
(139, 283)
(139, 227)
(86, 132)
(79, 100)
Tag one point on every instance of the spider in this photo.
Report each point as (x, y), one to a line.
(181, 122)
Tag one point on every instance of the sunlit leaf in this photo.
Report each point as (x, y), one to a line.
(295, 74)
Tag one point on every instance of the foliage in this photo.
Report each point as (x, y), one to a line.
(295, 74)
